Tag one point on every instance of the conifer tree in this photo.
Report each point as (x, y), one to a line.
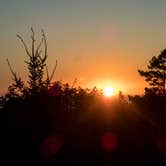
(156, 75)
(37, 68)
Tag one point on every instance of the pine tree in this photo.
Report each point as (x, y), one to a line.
(156, 75)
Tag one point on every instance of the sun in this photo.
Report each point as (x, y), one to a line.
(108, 91)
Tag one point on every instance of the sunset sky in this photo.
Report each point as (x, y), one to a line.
(99, 42)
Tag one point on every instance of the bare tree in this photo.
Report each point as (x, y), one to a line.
(37, 68)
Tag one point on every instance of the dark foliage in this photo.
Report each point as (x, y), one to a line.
(74, 126)
(156, 75)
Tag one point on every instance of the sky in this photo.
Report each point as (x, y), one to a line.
(99, 42)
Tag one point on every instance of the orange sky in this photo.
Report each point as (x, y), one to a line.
(99, 43)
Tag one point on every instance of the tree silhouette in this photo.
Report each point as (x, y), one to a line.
(37, 68)
(72, 125)
(156, 75)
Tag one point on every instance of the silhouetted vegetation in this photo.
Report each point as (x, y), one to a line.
(156, 75)
(45, 120)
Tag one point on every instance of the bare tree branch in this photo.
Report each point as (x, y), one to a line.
(38, 47)
(47, 74)
(45, 46)
(53, 72)
(13, 73)
(33, 42)
(25, 46)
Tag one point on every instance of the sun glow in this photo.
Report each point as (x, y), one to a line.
(108, 91)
